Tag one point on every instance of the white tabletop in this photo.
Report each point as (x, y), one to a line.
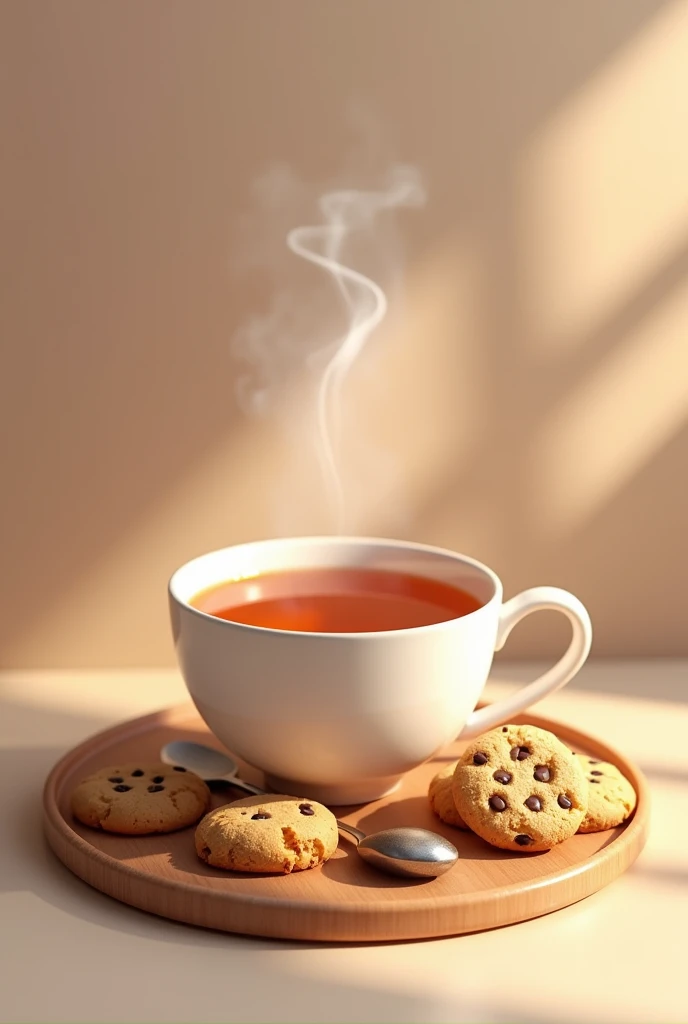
(68, 953)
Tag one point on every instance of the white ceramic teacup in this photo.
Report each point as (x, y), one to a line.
(340, 717)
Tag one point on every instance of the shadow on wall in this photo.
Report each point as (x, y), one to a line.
(533, 395)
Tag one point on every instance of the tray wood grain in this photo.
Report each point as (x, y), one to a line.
(345, 900)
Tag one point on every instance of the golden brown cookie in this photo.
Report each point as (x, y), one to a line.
(268, 834)
(520, 788)
(140, 798)
(611, 797)
(441, 797)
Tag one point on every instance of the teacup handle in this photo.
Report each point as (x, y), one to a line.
(512, 611)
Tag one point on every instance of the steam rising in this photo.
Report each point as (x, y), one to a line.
(273, 344)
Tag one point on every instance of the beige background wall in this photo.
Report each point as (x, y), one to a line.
(529, 403)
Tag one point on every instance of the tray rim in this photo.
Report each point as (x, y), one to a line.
(62, 838)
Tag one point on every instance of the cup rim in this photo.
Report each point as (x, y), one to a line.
(353, 541)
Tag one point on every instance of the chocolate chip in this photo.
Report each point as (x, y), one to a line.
(178, 768)
(121, 789)
(542, 773)
(524, 840)
(564, 801)
(519, 753)
(159, 778)
(505, 728)
(596, 781)
(116, 778)
(533, 803)
(480, 758)
(306, 809)
(261, 814)
(155, 789)
(597, 773)
(590, 761)
(497, 803)
(503, 777)
(138, 771)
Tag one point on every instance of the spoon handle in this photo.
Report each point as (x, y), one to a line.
(247, 787)
(355, 833)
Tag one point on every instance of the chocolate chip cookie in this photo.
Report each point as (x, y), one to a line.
(611, 797)
(520, 788)
(441, 797)
(268, 834)
(140, 798)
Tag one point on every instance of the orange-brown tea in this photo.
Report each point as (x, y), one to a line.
(336, 600)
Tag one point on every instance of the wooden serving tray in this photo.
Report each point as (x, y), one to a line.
(346, 900)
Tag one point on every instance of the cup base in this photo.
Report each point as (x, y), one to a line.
(361, 792)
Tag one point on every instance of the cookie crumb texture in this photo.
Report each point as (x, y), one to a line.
(268, 834)
(441, 797)
(611, 797)
(519, 788)
(140, 798)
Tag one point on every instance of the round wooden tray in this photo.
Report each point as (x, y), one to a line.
(345, 900)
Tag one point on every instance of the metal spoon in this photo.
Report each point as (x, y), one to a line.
(411, 852)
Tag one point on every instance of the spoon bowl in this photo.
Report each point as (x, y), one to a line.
(210, 764)
(409, 852)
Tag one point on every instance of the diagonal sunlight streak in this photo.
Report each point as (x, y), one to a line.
(604, 187)
(595, 440)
